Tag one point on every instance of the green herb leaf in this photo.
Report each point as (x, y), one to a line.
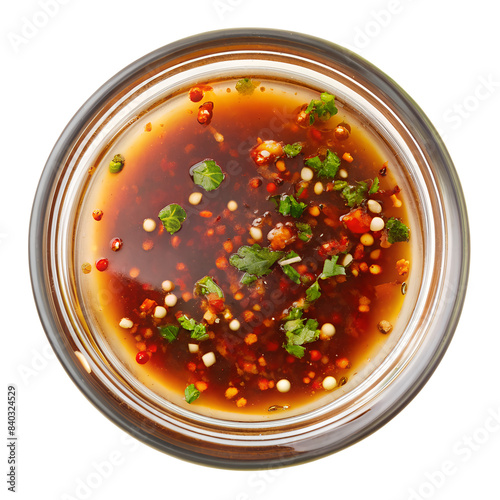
(313, 293)
(169, 332)
(339, 185)
(304, 231)
(326, 168)
(207, 174)
(289, 270)
(116, 164)
(374, 187)
(198, 331)
(191, 394)
(294, 313)
(324, 108)
(331, 268)
(299, 331)
(248, 279)
(172, 217)
(245, 86)
(292, 150)
(207, 285)
(354, 195)
(255, 260)
(396, 231)
(295, 350)
(288, 205)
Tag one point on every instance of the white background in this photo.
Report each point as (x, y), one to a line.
(445, 55)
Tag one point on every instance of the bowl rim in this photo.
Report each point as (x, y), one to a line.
(311, 45)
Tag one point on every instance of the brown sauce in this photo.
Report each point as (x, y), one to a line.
(251, 359)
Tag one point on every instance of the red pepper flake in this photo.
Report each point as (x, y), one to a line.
(303, 194)
(206, 214)
(97, 214)
(142, 357)
(101, 264)
(196, 94)
(255, 182)
(222, 263)
(148, 127)
(201, 385)
(215, 303)
(316, 134)
(263, 384)
(191, 366)
(315, 355)
(148, 305)
(357, 221)
(271, 188)
(205, 113)
(116, 244)
(342, 363)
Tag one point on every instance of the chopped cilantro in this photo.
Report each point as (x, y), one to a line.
(191, 394)
(292, 150)
(326, 168)
(116, 164)
(339, 185)
(396, 231)
(207, 285)
(248, 279)
(323, 108)
(288, 205)
(331, 268)
(255, 261)
(374, 187)
(304, 231)
(313, 293)
(207, 174)
(168, 332)
(354, 195)
(172, 216)
(289, 270)
(299, 331)
(245, 86)
(198, 331)
(295, 350)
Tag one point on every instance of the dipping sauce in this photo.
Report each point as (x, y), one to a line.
(245, 247)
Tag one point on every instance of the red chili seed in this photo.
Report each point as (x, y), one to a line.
(271, 188)
(142, 357)
(116, 244)
(97, 214)
(205, 113)
(196, 94)
(101, 264)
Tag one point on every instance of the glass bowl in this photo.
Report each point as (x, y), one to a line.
(439, 233)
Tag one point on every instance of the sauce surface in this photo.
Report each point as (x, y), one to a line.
(265, 343)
